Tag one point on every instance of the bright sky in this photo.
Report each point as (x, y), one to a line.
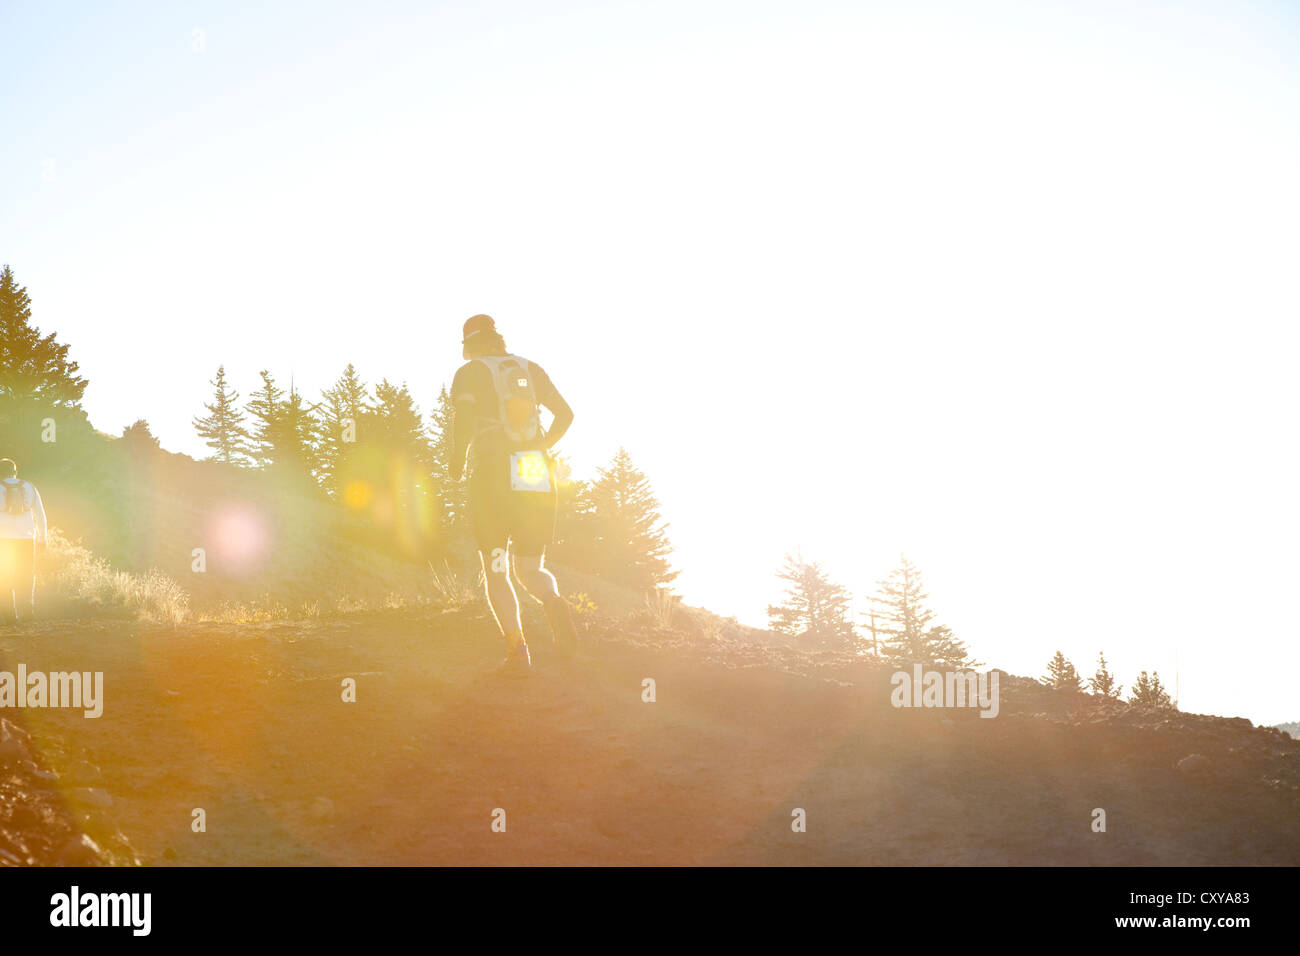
(1013, 291)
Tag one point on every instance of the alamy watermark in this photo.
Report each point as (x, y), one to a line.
(82, 690)
(130, 910)
(966, 688)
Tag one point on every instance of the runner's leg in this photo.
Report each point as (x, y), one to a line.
(489, 517)
(8, 578)
(532, 532)
(540, 583)
(25, 578)
(501, 595)
(536, 580)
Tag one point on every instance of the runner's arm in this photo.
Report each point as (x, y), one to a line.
(462, 424)
(549, 397)
(463, 413)
(558, 407)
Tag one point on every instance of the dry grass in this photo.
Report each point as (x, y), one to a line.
(79, 575)
(456, 590)
(442, 589)
(263, 611)
(661, 603)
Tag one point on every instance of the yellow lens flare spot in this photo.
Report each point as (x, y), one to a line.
(358, 494)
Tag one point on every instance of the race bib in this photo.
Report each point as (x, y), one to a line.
(529, 472)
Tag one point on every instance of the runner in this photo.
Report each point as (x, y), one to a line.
(22, 531)
(512, 495)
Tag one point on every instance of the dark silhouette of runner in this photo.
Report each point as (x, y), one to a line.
(512, 495)
(22, 531)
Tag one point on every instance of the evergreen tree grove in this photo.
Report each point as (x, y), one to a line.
(388, 473)
(297, 438)
(285, 431)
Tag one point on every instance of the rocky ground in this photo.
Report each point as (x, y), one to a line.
(247, 723)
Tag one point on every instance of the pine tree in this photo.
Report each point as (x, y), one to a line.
(223, 429)
(33, 368)
(630, 541)
(1103, 682)
(264, 408)
(1062, 675)
(297, 439)
(285, 431)
(39, 385)
(1149, 692)
(909, 636)
(139, 438)
(387, 475)
(342, 407)
(576, 543)
(816, 609)
(454, 511)
(398, 424)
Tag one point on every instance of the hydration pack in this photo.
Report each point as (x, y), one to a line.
(517, 409)
(16, 500)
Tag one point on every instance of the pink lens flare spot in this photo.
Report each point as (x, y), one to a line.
(240, 538)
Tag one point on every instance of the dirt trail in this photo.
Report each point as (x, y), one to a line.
(247, 723)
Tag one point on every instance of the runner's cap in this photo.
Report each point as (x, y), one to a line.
(475, 324)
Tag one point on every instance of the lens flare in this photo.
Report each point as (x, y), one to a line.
(240, 538)
(358, 494)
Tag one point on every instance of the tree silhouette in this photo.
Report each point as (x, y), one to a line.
(1149, 692)
(39, 385)
(139, 439)
(909, 636)
(34, 368)
(815, 610)
(342, 406)
(388, 473)
(454, 513)
(297, 439)
(285, 432)
(615, 529)
(264, 408)
(1062, 675)
(223, 428)
(1103, 681)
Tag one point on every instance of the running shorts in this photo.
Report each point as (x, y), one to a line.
(501, 516)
